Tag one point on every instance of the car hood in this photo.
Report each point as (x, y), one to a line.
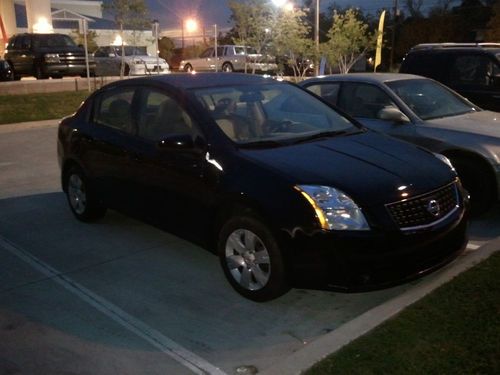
(481, 123)
(62, 49)
(370, 168)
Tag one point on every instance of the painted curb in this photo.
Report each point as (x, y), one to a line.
(325, 345)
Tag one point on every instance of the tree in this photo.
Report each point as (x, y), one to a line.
(414, 7)
(349, 38)
(166, 48)
(493, 28)
(78, 37)
(128, 13)
(291, 39)
(253, 20)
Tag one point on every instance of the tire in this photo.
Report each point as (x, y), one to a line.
(188, 68)
(39, 72)
(251, 259)
(126, 71)
(227, 67)
(82, 200)
(477, 180)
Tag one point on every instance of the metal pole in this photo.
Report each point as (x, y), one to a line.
(85, 44)
(215, 48)
(393, 37)
(316, 38)
(182, 36)
(156, 31)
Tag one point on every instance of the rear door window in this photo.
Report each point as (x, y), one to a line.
(328, 91)
(363, 100)
(114, 109)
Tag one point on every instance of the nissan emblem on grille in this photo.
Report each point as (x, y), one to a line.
(433, 208)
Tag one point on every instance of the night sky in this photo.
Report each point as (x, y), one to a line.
(170, 12)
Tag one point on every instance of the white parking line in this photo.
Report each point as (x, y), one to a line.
(169, 347)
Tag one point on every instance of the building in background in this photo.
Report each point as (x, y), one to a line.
(65, 16)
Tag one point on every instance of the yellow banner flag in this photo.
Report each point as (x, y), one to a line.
(380, 38)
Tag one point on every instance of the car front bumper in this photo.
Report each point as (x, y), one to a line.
(148, 68)
(360, 261)
(67, 69)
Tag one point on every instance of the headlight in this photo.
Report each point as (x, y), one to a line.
(52, 58)
(334, 209)
(445, 160)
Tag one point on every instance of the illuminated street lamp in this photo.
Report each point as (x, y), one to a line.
(191, 25)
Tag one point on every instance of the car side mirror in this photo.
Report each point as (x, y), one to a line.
(393, 114)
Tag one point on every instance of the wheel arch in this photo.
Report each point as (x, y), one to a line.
(67, 165)
(479, 160)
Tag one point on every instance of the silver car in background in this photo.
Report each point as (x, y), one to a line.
(230, 58)
(424, 112)
(137, 61)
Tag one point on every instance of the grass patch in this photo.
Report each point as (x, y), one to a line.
(454, 330)
(33, 107)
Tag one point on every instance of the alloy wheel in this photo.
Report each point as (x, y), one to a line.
(247, 259)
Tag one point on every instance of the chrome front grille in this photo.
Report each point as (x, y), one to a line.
(72, 58)
(426, 209)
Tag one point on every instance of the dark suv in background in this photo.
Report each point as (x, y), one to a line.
(473, 70)
(46, 55)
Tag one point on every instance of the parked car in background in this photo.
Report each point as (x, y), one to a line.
(6, 73)
(230, 58)
(473, 70)
(286, 190)
(424, 112)
(46, 55)
(136, 59)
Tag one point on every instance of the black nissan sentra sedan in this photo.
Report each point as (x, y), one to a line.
(288, 191)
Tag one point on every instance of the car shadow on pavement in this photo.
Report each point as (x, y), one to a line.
(159, 279)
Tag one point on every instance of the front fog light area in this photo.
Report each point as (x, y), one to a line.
(334, 209)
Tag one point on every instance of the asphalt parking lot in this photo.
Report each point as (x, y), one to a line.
(119, 296)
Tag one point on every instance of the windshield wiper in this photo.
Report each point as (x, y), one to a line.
(326, 134)
(261, 144)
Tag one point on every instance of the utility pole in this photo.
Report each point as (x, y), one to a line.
(393, 38)
(316, 38)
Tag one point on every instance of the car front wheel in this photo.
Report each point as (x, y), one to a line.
(82, 201)
(478, 182)
(251, 259)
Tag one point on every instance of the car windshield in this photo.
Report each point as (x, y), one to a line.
(271, 114)
(53, 40)
(132, 51)
(429, 99)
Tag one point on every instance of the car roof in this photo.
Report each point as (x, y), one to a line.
(364, 77)
(186, 81)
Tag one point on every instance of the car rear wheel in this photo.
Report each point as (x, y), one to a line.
(251, 259)
(82, 200)
(227, 67)
(477, 180)
(188, 68)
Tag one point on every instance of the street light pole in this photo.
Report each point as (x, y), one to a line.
(316, 38)
(215, 48)
(156, 27)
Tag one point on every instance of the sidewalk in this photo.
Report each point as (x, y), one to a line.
(8, 128)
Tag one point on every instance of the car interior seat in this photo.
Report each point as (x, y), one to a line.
(119, 115)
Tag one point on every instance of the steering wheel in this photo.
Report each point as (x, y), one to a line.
(279, 127)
